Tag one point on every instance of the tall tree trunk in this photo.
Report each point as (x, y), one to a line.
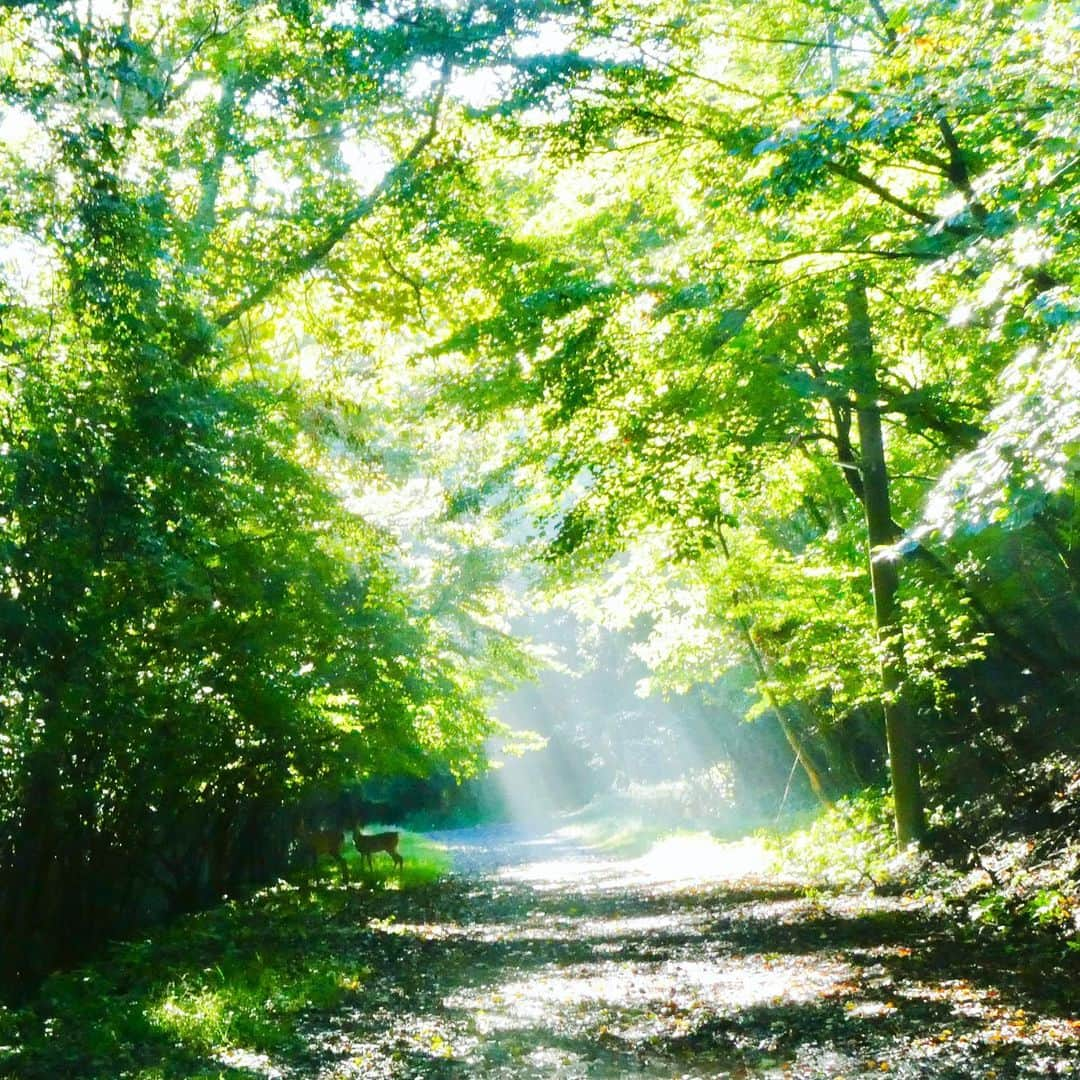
(30, 897)
(884, 575)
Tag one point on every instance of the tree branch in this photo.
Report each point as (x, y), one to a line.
(855, 176)
(845, 452)
(299, 264)
(958, 171)
(203, 221)
(869, 253)
(883, 18)
(808, 42)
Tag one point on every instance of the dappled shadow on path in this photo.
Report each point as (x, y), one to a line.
(608, 970)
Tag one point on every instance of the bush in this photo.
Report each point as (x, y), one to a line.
(850, 844)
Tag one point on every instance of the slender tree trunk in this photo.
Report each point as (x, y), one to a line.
(30, 900)
(884, 575)
(834, 63)
(1005, 638)
(202, 224)
(794, 738)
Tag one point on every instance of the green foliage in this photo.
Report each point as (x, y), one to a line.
(1017, 901)
(1029, 456)
(664, 324)
(1009, 861)
(239, 978)
(197, 626)
(848, 845)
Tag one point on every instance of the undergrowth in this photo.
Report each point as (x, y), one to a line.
(995, 879)
(1009, 859)
(848, 845)
(236, 980)
(629, 820)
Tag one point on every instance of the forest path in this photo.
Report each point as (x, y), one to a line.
(542, 958)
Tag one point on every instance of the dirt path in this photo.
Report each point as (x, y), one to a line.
(543, 959)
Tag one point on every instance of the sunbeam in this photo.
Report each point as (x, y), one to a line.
(627, 768)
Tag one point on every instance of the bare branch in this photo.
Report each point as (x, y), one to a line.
(883, 18)
(809, 43)
(958, 171)
(849, 172)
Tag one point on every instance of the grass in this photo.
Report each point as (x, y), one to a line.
(424, 862)
(228, 984)
(237, 977)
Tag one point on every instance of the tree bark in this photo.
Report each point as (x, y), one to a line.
(884, 575)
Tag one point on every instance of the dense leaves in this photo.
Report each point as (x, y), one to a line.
(197, 627)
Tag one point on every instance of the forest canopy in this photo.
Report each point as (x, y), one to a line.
(750, 331)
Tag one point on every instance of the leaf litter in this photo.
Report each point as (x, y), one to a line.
(552, 961)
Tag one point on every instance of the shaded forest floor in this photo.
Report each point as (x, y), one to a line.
(539, 958)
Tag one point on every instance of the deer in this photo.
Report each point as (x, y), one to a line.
(383, 841)
(324, 842)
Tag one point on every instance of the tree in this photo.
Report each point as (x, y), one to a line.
(196, 627)
(671, 303)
